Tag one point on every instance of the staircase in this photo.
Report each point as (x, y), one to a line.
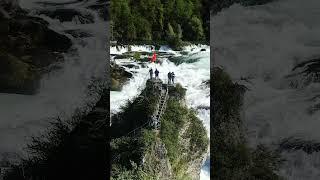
(160, 107)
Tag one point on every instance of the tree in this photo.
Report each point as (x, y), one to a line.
(179, 32)
(197, 29)
(120, 13)
(131, 34)
(170, 32)
(157, 20)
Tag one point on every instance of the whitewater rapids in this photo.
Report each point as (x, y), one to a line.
(189, 75)
(62, 91)
(263, 44)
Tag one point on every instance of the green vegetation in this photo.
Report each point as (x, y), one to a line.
(135, 113)
(197, 134)
(231, 154)
(127, 147)
(173, 21)
(177, 123)
(182, 59)
(172, 122)
(175, 118)
(137, 56)
(177, 92)
(70, 149)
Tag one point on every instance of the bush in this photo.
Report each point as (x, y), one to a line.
(172, 121)
(66, 153)
(136, 56)
(175, 43)
(197, 133)
(177, 92)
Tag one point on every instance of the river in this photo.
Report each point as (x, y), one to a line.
(190, 74)
(64, 90)
(263, 44)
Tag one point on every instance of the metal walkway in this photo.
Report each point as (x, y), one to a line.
(161, 106)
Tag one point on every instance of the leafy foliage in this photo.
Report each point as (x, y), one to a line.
(172, 122)
(197, 133)
(135, 113)
(65, 152)
(155, 20)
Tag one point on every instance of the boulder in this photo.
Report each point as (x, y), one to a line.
(27, 47)
(68, 15)
(17, 76)
(118, 77)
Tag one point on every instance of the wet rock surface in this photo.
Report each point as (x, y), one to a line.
(27, 46)
(118, 77)
(305, 73)
(294, 144)
(68, 15)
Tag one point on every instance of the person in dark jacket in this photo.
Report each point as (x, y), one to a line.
(172, 77)
(151, 73)
(169, 77)
(156, 73)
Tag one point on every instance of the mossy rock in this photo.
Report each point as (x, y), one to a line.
(115, 85)
(177, 91)
(27, 47)
(137, 55)
(17, 76)
(182, 59)
(118, 77)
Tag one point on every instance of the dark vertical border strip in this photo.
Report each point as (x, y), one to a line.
(108, 139)
(212, 61)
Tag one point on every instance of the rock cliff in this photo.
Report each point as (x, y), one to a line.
(27, 47)
(175, 151)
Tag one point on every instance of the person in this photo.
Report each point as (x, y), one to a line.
(169, 77)
(156, 73)
(172, 77)
(151, 73)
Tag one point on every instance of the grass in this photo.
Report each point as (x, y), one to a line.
(129, 150)
(172, 122)
(197, 133)
(174, 119)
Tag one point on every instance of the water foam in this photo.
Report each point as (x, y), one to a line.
(263, 44)
(62, 91)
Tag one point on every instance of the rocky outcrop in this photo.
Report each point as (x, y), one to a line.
(156, 161)
(27, 47)
(174, 151)
(118, 77)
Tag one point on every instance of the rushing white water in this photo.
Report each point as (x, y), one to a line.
(263, 44)
(62, 91)
(189, 75)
